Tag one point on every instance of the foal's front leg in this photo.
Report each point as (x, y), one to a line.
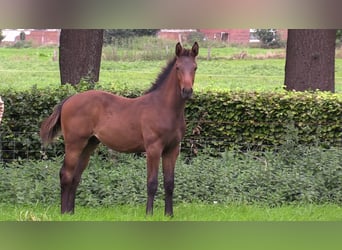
(169, 162)
(153, 159)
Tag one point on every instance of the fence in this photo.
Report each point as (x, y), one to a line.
(11, 148)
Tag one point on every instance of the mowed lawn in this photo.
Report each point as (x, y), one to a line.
(182, 212)
(24, 68)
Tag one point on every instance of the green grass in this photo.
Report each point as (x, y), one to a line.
(182, 212)
(259, 75)
(24, 68)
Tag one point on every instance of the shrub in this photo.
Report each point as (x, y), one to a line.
(269, 38)
(25, 110)
(218, 120)
(195, 37)
(113, 35)
(1, 36)
(22, 44)
(291, 174)
(263, 120)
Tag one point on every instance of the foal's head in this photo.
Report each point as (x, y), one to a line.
(186, 67)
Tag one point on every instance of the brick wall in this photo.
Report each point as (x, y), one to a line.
(174, 34)
(237, 36)
(230, 35)
(240, 36)
(42, 37)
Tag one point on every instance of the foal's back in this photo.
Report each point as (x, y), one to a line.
(113, 120)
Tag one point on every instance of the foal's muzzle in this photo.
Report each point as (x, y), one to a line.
(186, 93)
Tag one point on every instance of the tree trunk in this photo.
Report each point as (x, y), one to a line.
(310, 60)
(80, 55)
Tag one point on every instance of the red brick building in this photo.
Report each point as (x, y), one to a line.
(43, 37)
(237, 36)
(174, 34)
(51, 36)
(35, 36)
(241, 36)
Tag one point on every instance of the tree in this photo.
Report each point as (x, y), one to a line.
(80, 55)
(339, 37)
(310, 60)
(269, 38)
(1, 36)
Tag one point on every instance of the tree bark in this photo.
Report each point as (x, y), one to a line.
(310, 60)
(80, 55)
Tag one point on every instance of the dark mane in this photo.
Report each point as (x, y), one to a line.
(166, 71)
(162, 76)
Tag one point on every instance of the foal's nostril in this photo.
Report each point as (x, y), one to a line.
(187, 93)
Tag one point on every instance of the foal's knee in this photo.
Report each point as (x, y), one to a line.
(66, 178)
(169, 185)
(152, 186)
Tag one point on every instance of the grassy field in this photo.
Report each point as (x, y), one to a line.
(182, 212)
(262, 70)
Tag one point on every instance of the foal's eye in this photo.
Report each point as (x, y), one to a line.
(177, 68)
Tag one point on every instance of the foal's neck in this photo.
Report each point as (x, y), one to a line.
(170, 93)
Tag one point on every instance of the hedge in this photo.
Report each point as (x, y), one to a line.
(214, 119)
(263, 120)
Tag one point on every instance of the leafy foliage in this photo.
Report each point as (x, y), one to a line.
(1, 36)
(22, 118)
(263, 120)
(292, 174)
(219, 120)
(110, 35)
(195, 37)
(338, 37)
(269, 38)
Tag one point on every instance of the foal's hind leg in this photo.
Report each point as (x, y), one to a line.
(75, 161)
(153, 159)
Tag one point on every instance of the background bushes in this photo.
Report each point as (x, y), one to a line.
(218, 120)
(24, 112)
(264, 120)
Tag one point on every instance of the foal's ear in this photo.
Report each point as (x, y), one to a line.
(194, 49)
(178, 49)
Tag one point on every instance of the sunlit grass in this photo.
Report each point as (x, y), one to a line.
(23, 68)
(182, 212)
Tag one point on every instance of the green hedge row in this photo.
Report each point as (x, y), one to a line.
(215, 119)
(292, 174)
(261, 120)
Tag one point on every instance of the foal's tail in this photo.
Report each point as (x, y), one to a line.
(51, 127)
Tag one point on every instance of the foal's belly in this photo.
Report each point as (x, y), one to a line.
(119, 129)
(128, 141)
